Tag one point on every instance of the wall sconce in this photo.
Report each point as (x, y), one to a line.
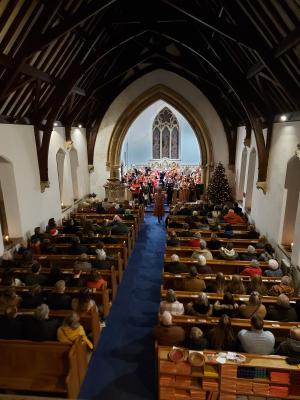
(291, 246)
(6, 240)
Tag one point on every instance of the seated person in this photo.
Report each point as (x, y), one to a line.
(33, 298)
(196, 340)
(100, 209)
(83, 302)
(51, 225)
(166, 333)
(58, 299)
(173, 239)
(9, 278)
(202, 251)
(118, 227)
(222, 336)
(291, 346)
(202, 266)
(71, 331)
(226, 306)
(47, 247)
(256, 285)
(217, 285)
(70, 227)
(9, 298)
(95, 281)
(35, 277)
(250, 254)
(76, 247)
(35, 246)
(228, 231)
(257, 340)
(54, 276)
(100, 250)
(237, 209)
(193, 283)
(200, 306)
(213, 243)
(11, 324)
(186, 231)
(262, 240)
(285, 287)
(273, 269)
(232, 218)
(176, 266)
(268, 253)
(83, 263)
(254, 306)
(236, 285)
(77, 280)
(195, 242)
(40, 327)
(228, 252)
(37, 235)
(282, 310)
(171, 304)
(251, 234)
(253, 269)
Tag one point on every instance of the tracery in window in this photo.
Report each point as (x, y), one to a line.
(165, 133)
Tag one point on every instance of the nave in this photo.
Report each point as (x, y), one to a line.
(123, 364)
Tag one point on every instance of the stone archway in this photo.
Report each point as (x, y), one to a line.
(159, 92)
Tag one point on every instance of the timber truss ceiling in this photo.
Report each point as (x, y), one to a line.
(66, 60)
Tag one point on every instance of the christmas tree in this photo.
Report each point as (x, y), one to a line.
(219, 190)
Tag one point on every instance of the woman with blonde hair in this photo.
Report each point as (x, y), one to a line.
(71, 331)
(256, 285)
(159, 200)
(236, 285)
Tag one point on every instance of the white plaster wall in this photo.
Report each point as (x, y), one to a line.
(268, 209)
(17, 145)
(1, 242)
(79, 143)
(184, 89)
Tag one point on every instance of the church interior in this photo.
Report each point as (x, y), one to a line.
(149, 197)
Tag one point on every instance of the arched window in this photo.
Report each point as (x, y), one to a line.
(250, 179)
(292, 185)
(165, 134)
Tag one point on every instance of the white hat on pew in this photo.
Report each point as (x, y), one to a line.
(273, 264)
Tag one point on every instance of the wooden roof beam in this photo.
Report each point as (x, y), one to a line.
(290, 41)
(215, 25)
(84, 13)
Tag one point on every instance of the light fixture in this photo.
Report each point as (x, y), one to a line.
(79, 126)
(55, 124)
(283, 118)
(6, 239)
(292, 244)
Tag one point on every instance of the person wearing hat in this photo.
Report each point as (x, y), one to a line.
(250, 254)
(166, 333)
(282, 310)
(171, 304)
(58, 300)
(196, 340)
(273, 269)
(193, 283)
(176, 266)
(202, 251)
(253, 269)
(291, 346)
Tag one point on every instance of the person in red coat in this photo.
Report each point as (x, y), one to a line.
(95, 281)
(232, 218)
(253, 269)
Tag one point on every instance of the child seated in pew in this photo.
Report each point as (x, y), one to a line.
(71, 331)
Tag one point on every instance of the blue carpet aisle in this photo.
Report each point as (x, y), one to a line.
(123, 365)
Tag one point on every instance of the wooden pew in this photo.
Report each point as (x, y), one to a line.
(43, 366)
(186, 297)
(225, 266)
(206, 235)
(208, 278)
(181, 218)
(186, 251)
(110, 275)
(89, 320)
(279, 329)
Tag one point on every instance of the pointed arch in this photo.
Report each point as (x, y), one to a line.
(158, 92)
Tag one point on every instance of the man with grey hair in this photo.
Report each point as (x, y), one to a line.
(250, 255)
(176, 266)
(202, 251)
(168, 334)
(40, 327)
(282, 310)
(58, 300)
(171, 304)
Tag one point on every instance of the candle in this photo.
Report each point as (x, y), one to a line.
(292, 244)
(6, 239)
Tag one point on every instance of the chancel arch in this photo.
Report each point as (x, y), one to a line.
(159, 92)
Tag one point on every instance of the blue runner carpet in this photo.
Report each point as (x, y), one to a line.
(122, 366)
